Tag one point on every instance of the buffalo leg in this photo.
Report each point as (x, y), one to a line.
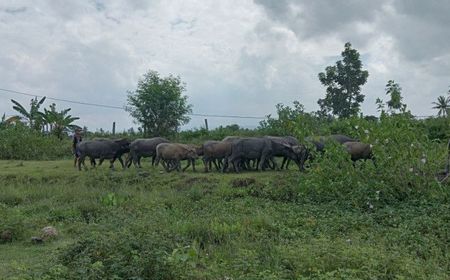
(120, 160)
(165, 166)
(215, 164)
(128, 160)
(139, 162)
(262, 160)
(80, 161)
(178, 165)
(285, 163)
(205, 163)
(235, 165)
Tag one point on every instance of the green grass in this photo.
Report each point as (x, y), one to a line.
(282, 225)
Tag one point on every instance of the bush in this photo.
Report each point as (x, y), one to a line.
(22, 143)
(131, 253)
(12, 220)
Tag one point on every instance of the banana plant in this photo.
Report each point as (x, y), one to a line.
(33, 117)
(59, 121)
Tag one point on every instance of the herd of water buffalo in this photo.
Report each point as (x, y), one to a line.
(234, 152)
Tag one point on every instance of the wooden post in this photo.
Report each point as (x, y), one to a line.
(114, 128)
(206, 124)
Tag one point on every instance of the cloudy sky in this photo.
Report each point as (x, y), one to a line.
(237, 57)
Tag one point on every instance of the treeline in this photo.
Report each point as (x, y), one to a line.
(18, 141)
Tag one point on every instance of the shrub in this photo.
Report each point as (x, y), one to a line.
(22, 143)
(127, 254)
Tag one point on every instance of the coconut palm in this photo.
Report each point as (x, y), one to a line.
(33, 117)
(443, 105)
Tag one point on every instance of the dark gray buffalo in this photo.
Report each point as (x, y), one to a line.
(103, 149)
(143, 148)
(289, 140)
(262, 150)
(289, 149)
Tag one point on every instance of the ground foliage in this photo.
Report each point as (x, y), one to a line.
(335, 221)
(24, 143)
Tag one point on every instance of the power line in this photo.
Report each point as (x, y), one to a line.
(64, 100)
(122, 107)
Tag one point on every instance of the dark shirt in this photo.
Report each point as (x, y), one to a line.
(76, 139)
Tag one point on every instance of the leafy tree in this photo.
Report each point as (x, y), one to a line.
(380, 105)
(158, 104)
(394, 91)
(60, 121)
(284, 122)
(394, 104)
(343, 85)
(287, 120)
(33, 116)
(443, 105)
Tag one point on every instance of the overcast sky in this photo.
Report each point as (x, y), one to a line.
(237, 57)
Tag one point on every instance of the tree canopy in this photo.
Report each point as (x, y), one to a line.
(158, 104)
(58, 121)
(343, 83)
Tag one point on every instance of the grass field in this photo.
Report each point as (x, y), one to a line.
(148, 224)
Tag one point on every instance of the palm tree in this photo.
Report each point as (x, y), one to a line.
(59, 122)
(443, 105)
(34, 117)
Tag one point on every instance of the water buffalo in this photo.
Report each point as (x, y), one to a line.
(143, 148)
(103, 149)
(215, 151)
(282, 148)
(259, 149)
(289, 140)
(173, 153)
(358, 150)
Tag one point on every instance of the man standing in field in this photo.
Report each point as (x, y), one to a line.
(76, 139)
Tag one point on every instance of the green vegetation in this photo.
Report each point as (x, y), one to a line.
(158, 104)
(343, 85)
(54, 122)
(21, 142)
(443, 105)
(335, 221)
(346, 223)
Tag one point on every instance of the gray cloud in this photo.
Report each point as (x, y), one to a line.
(237, 57)
(323, 17)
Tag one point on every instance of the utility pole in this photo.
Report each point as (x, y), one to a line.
(114, 128)
(206, 124)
